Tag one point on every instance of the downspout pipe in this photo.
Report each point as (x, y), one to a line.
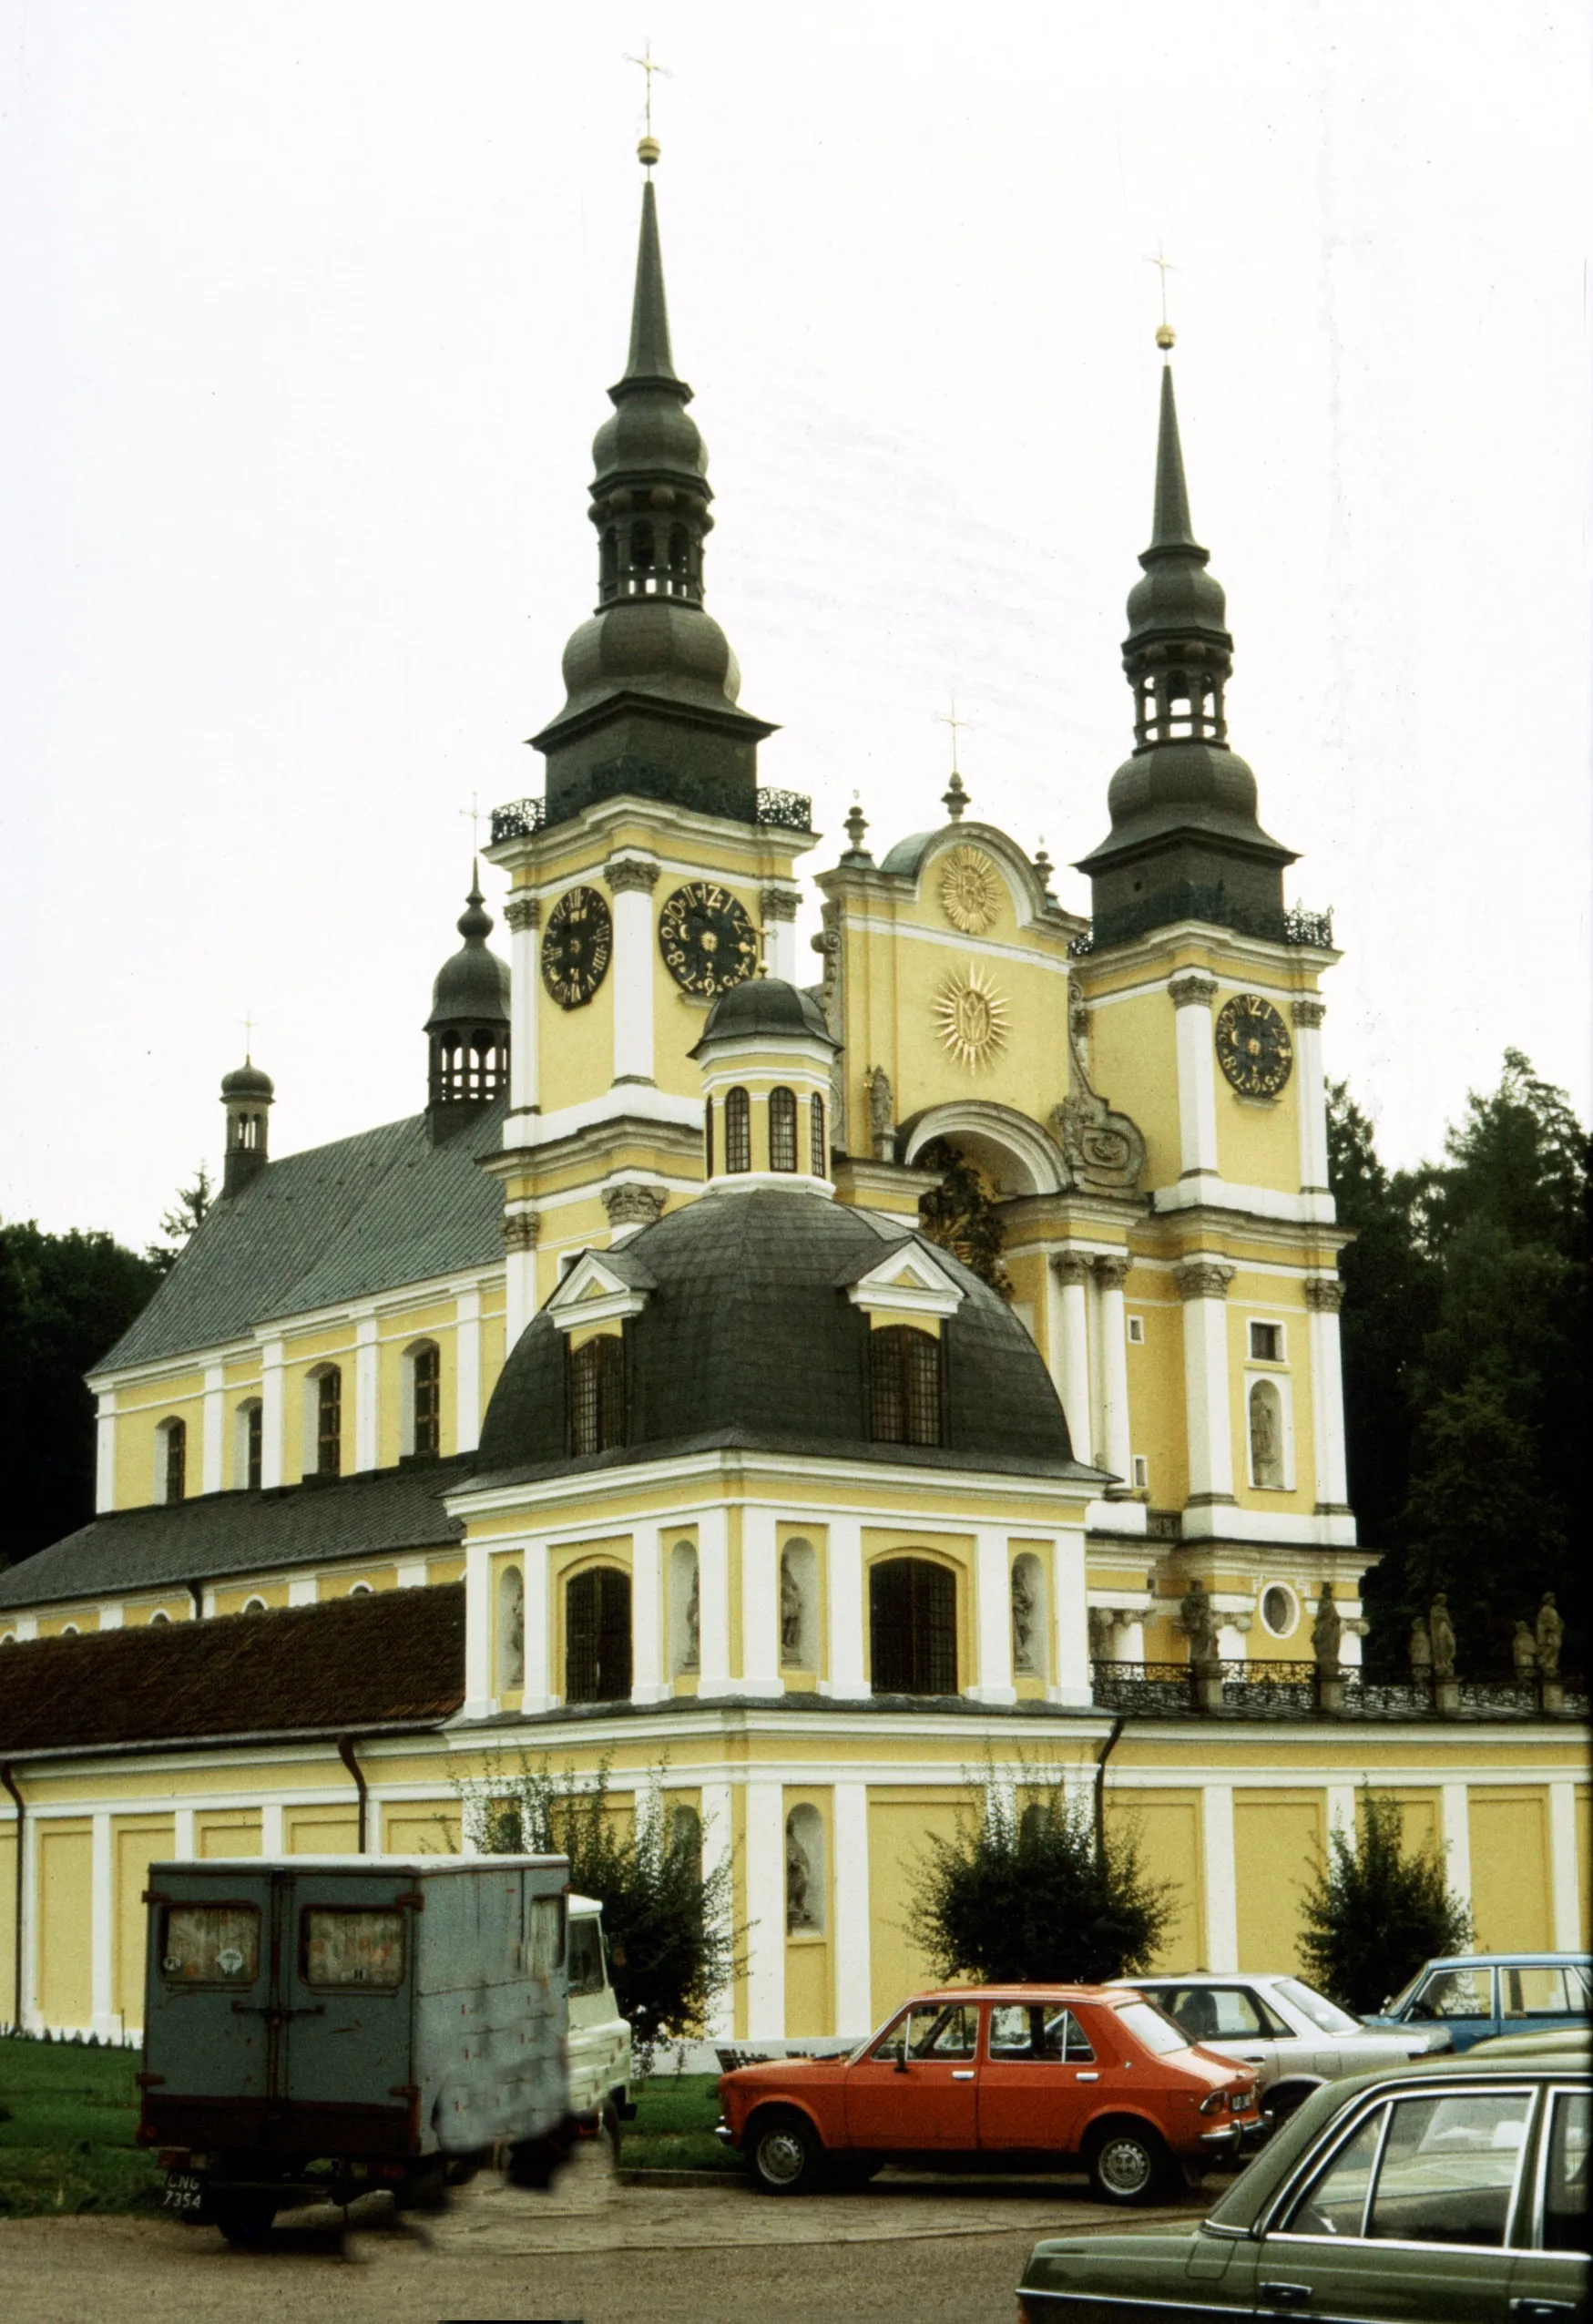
(9, 1781)
(1101, 1756)
(345, 1752)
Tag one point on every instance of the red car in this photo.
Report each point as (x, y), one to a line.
(1036, 2074)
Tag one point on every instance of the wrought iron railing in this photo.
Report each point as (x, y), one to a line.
(642, 779)
(1190, 900)
(1273, 1690)
(789, 809)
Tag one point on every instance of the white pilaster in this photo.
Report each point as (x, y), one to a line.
(848, 1678)
(1202, 1285)
(1311, 1087)
(631, 880)
(1071, 1360)
(105, 1451)
(367, 1394)
(467, 1371)
(779, 906)
(521, 1228)
(103, 2020)
(1565, 1881)
(215, 1430)
(713, 1605)
(411, 1574)
(765, 1804)
(270, 1414)
(111, 1615)
(543, 1685)
(759, 1605)
(1070, 1656)
(717, 1848)
(303, 1590)
(992, 1623)
(853, 1966)
(523, 914)
(1324, 1295)
(271, 1837)
(1456, 1814)
(1217, 1861)
(649, 1680)
(184, 1846)
(27, 1872)
(1192, 996)
(1110, 1272)
(478, 1695)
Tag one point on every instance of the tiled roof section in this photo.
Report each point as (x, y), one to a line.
(392, 1510)
(338, 1223)
(393, 1657)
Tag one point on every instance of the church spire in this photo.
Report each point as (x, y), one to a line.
(1170, 526)
(650, 314)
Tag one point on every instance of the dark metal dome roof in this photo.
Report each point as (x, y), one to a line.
(473, 987)
(765, 1004)
(747, 1337)
(247, 1081)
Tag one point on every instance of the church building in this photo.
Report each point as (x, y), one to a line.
(802, 1384)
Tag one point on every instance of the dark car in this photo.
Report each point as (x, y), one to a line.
(1454, 2192)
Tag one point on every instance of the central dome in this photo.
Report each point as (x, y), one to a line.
(747, 1337)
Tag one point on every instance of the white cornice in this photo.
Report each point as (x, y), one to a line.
(734, 1467)
(951, 941)
(1149, 954)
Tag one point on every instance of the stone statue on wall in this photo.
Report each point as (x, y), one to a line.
(1441, 1630)
(1198, 1619)
(1421, 1651)
(799, 1874)
(1523, 1654)
(790, 1613)
(882, 1113)
(1023, 1621)
(1102, 1634)
(1551, 1630)
(1266, 1452)
(689, 1660)
(1327, 1633)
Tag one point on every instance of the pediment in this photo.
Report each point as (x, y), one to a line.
(597, 1290)
(907, 1278)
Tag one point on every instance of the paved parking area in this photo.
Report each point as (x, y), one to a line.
(919, 2250)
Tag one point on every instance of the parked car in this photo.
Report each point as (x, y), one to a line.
(1452, 2192)
(1028, 2076)
(600, 2038)
(1474, 1995)
(1295, 2038)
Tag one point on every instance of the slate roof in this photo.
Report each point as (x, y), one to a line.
(392, 1658)
(386, 1512)
(750, 1339)
(334, 1223)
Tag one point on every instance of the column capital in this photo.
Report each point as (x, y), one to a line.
(623, 872)
(1192, 990)
(1070, 1266)
(778, 903)
(521, 1230)
(522, 912)
(633, 1205)
(1203, 1278)
(1324, 1293)
(1110, 1269)
(1307, 1013)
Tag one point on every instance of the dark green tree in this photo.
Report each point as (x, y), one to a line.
(188, 1210)
(1375, 1913)
(961, 1214)
(1023, 1893)
(65, 1299)
(667, 1921)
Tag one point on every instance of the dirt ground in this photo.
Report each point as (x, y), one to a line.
(908, 2250)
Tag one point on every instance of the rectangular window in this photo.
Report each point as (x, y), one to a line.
(904, 1386)
(1266, 1343)
(351, 1946)
(1448, 2169)
(253, 1438)
(1141, 1473)
(1137, 1330)
(588, 1972)
(329, 1424)
(782, 1130)
(428, 1400)
(211, 1944)
(1026, 2032)
(544, 1936)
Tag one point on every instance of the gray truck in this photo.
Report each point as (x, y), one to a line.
(318, 2027)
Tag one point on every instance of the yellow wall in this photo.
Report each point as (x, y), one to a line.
(320, 1831)
(419, 1828)
(810, 2008)
(1168, 1828)
(1584, 1866)
(220, 1831)
(7, 1917)
(65, 1875)
(138, 1841)
(1509, 1869)
(900, 1824)
(1278, 1838)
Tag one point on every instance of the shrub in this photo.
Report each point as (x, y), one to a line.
(1374, 1913)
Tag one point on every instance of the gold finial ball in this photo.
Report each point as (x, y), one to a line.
(647, 152)
(1165, 336)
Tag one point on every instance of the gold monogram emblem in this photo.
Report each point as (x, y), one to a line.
(971, 1018)
(970, 891)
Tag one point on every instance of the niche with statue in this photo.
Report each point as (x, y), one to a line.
(806, 1873)
(1030, 1617)
(685, 1612)
(799, 1607)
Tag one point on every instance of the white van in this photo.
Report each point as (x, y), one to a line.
(600, 2038)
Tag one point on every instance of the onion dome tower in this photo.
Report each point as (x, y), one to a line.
(247, 1094)
(467, 1032)
(1185, 843)
(650, 680)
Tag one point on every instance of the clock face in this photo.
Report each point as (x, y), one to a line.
(1253, 1047)
(575, 946)
(708, 942)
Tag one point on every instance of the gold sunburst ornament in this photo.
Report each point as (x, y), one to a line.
(970, 893)
(971, 1018)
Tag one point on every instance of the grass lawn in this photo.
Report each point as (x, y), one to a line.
(67, 2115)
(673, 2130)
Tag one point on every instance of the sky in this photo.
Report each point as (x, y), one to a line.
(307, 313)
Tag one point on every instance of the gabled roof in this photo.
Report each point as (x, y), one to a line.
(394, 1658)
(334, 1223)
(381, 1514)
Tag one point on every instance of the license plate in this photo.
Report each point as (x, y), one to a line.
(183, 2191)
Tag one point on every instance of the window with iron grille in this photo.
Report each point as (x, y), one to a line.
(781, 1130)
(253, 1438)
(426, 1389)
(597, 1655)
(329, 1422)
(597, 1399)
(904, 1388)
(176, 1459)
(819, 1159)
(913, 1627)
(738, 1130)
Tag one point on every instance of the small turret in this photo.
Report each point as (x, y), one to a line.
(247, 1094)
(467, 1032)
(766, 1060)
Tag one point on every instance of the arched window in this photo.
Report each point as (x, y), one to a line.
(323, 1422)
(423, 1428)
(685, 1611)
(641, 546)
(819, 1152)
(1266, 1437)
(597, 1653)
(597, 1394)
(361, 1590)
(511, 1641)
(254, 1605)
(738, 1130)
(68, 1629)
(782, 1139)
(806, 1873)
(913, 1627)
(608, 561)
(685, 1835)
(904, 1386)
(171, 1461)
(159, 1614)
(248, 1437)
(799, 1607)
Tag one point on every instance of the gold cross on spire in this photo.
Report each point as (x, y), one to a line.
(248, 1024)
(649, 67)
(1164, 336)
(954, 721)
